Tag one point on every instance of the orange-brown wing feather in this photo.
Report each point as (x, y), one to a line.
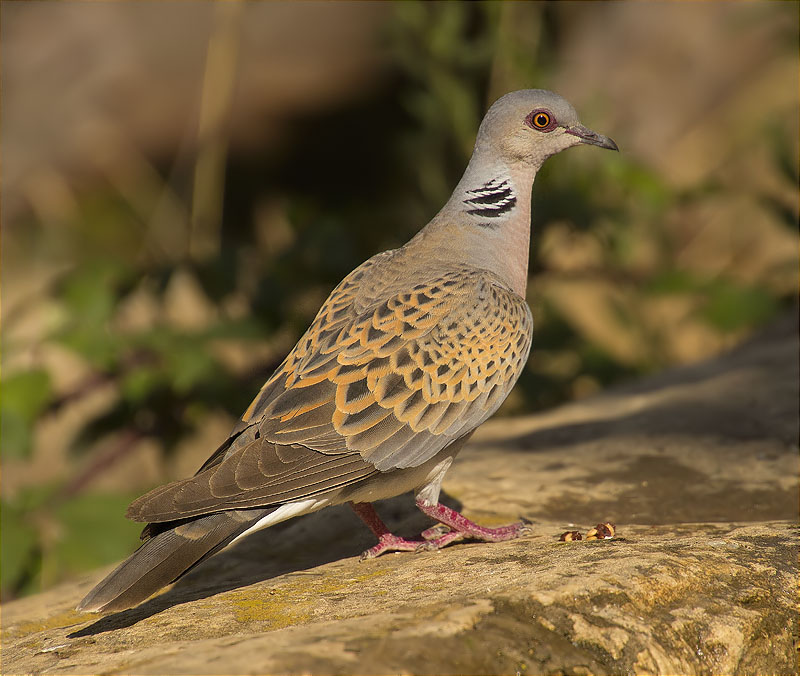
(402, 378)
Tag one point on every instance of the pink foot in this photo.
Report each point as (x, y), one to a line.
(452, 527)
(392, 543)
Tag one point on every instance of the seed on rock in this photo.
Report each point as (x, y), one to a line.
(602, 531)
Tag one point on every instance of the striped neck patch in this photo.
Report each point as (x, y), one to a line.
(491, 200)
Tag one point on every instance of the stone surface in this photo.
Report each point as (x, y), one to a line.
(697, 467)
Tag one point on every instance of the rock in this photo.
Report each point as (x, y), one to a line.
(696, 467)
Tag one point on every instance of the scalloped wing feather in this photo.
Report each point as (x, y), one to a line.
(398, 376)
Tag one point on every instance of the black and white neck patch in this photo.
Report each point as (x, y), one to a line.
(492, 199)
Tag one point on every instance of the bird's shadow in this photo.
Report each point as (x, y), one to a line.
(294, 546)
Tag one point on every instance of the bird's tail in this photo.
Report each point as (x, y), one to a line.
(170, 550)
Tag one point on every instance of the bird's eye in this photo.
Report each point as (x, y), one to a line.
(540, 119)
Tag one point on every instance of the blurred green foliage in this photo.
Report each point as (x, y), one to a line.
(46, 540)
(293, 225)
(22, 399)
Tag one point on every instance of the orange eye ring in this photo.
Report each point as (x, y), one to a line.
(541, 120)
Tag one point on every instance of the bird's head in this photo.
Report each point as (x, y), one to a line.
(530, 125)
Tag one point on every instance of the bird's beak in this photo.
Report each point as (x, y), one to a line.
(591, 137)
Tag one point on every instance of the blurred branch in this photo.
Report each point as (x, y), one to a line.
(98, 379)
(158, 208)
(517, 44)
(217, 94)
(100, 463)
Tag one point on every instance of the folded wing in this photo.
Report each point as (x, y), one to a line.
(379, 381)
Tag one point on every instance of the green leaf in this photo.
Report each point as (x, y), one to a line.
(730, 307)
(185, 358)
(89, 291)
(239, 329)
(671, 282)
(140, 383)
(26, 392)
(16, 434)
(640, 181)
(190, 366)
(18, 539)
(93, 343)
(96, 532)
(90, 295)
(23, 396)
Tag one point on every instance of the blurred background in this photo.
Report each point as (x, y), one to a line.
(184, 182)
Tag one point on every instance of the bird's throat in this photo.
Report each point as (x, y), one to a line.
(485, 224)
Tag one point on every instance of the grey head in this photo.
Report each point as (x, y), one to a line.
(530, 125)
(486, 222)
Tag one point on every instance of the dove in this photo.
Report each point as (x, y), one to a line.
(409, 354)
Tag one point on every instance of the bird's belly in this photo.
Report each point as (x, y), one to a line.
(399, 481)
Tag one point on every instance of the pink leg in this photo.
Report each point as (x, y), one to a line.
(452, 526)
(466, 528)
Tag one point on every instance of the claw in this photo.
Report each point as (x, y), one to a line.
(391, 543)
(435, 531)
